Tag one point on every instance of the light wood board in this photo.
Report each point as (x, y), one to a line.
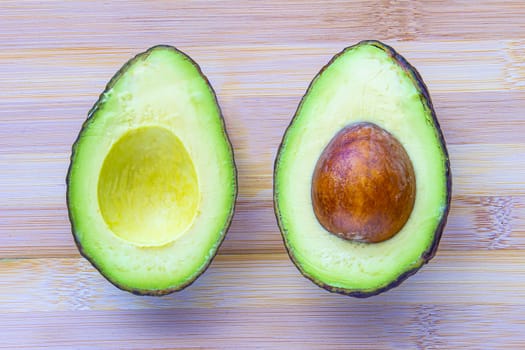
(260, 56)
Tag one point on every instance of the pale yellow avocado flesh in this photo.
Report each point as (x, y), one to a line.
(152, 182)
(363, 84)
(148, 191)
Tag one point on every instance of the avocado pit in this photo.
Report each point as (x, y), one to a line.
(363, 186)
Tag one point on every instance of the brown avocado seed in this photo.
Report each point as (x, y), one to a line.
(363, 186)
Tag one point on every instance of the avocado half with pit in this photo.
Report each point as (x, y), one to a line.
(152, 182)
(362, 180)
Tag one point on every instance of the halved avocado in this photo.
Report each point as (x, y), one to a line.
(362, 181)
(152, 184)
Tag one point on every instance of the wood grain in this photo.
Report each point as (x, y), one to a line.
(260, 57)
(256, 280)
(292, 327)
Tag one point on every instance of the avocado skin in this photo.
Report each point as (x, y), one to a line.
(98, 104)
(416, 79)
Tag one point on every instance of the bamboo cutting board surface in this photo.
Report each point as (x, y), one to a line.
(56, 58)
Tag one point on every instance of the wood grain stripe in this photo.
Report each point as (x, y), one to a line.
(258, 280)
(475, 224)
(363, 325)
(256, 125)
(265, 22)
(477, 169)
(56, 75)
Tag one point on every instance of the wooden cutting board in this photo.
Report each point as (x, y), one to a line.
(56, 57)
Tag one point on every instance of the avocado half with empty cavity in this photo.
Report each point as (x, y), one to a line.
(362, 181)
(151, 187)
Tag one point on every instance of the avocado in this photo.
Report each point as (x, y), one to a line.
(152, 182)
(362, 181)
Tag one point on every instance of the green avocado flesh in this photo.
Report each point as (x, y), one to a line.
(152, 181)
(368, 82)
